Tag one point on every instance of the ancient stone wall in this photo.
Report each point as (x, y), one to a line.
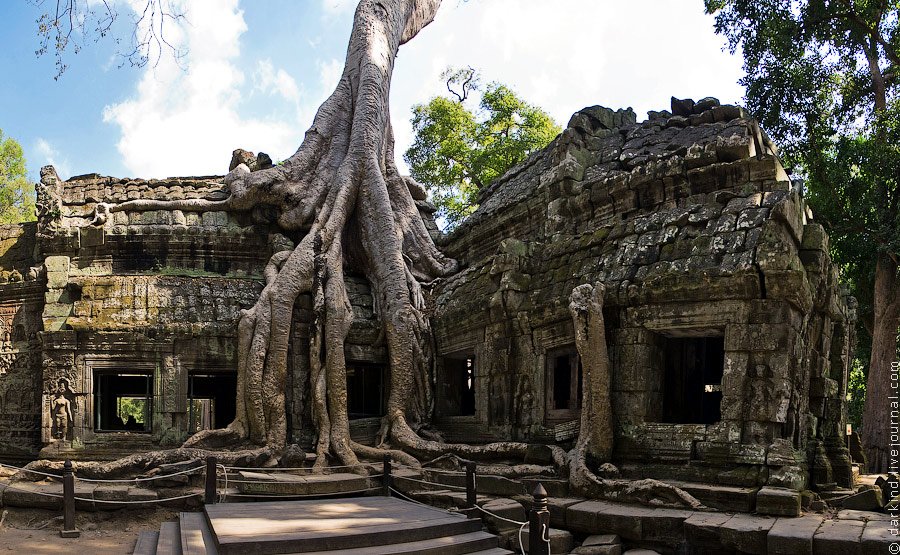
(21, 302)
(699, 236)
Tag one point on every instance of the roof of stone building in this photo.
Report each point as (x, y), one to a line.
(672, 208)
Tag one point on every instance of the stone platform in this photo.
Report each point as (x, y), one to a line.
(362, 525)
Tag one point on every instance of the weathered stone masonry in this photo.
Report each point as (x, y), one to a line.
(729, 337)
(703, 244)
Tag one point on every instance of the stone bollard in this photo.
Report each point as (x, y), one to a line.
(211, 490)
(386, 477)
(69, 530)
(539, 523)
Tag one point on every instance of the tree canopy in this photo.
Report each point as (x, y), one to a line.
(16, 191)
(821, 76)
(458, 149)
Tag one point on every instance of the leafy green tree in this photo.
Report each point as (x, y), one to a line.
(821, 76)
(458, 151)
(16, 191)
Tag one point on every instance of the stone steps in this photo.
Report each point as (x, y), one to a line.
(353, 526)
(283, 483)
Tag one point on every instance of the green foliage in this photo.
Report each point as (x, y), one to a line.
(16, 192)
(458, 151)
(821, 76)
(134, 407)
(856, 393)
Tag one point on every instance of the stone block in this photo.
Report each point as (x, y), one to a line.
(865, 500)
(561, 541)
(59, 264)
(598, 550)
(877, 538)
(703, 530)
(498, 485)
(723, 498)
(793, 536)
(507, 508)
(33, 495)
(839, 537)
(601, 539)
(557, 507)
(747, 533)
(778, 501)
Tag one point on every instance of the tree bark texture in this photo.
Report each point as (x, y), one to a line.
(876, 412)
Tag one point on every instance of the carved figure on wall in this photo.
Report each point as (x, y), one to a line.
(61, 410)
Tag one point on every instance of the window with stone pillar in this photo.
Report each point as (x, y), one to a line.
(211, 400)
(123, 401)
(456, 385)
(563, 384)
(692, 379)
(366, 391)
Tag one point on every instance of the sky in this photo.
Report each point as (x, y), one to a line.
(252, 75)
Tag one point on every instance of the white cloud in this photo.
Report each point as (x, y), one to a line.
(337, 8)
(568, 54)
(48, 155)
(187, 121)
(269, 80)
(329, 73)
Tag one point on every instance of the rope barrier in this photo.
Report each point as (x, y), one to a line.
(277, 469)
(148, 479)
(92, 500)
(521, 543)
(43, 493)
(511, 521)
(225, 489)
(411, 500)
(302, 495)
(443, 486)
(39, 473)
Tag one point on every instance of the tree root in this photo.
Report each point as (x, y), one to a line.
(139, 463)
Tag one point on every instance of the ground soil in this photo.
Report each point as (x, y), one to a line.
(36, 531)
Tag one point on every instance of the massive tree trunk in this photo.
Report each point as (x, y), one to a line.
(876, 413)
(341, 188)
(594, 446)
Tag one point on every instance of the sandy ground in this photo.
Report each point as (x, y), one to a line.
(27, 531)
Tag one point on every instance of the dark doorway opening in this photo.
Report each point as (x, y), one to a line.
(123, 401)
(458, 386)
(365, 390)
(693, 379)
(564, 387)
(211, 400)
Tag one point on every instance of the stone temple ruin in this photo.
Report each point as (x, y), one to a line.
(728, 334)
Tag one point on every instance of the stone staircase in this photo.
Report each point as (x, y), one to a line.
(369, 525)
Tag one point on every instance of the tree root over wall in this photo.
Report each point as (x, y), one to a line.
(342, 190)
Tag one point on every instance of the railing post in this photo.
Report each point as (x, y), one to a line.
(211, 463)
(69, 530)
(386, 478)
(539, 523)
(471, 493)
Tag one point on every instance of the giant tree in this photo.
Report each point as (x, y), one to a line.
(16, 191)
(342, 194)
(457, 150)
(821, 76)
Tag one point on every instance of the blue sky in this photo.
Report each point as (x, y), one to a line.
(255, 72)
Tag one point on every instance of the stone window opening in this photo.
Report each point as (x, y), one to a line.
(211, 400)
(564, 384)
(366, 391)
(123, 401)
(458, 384)
(692, 382)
